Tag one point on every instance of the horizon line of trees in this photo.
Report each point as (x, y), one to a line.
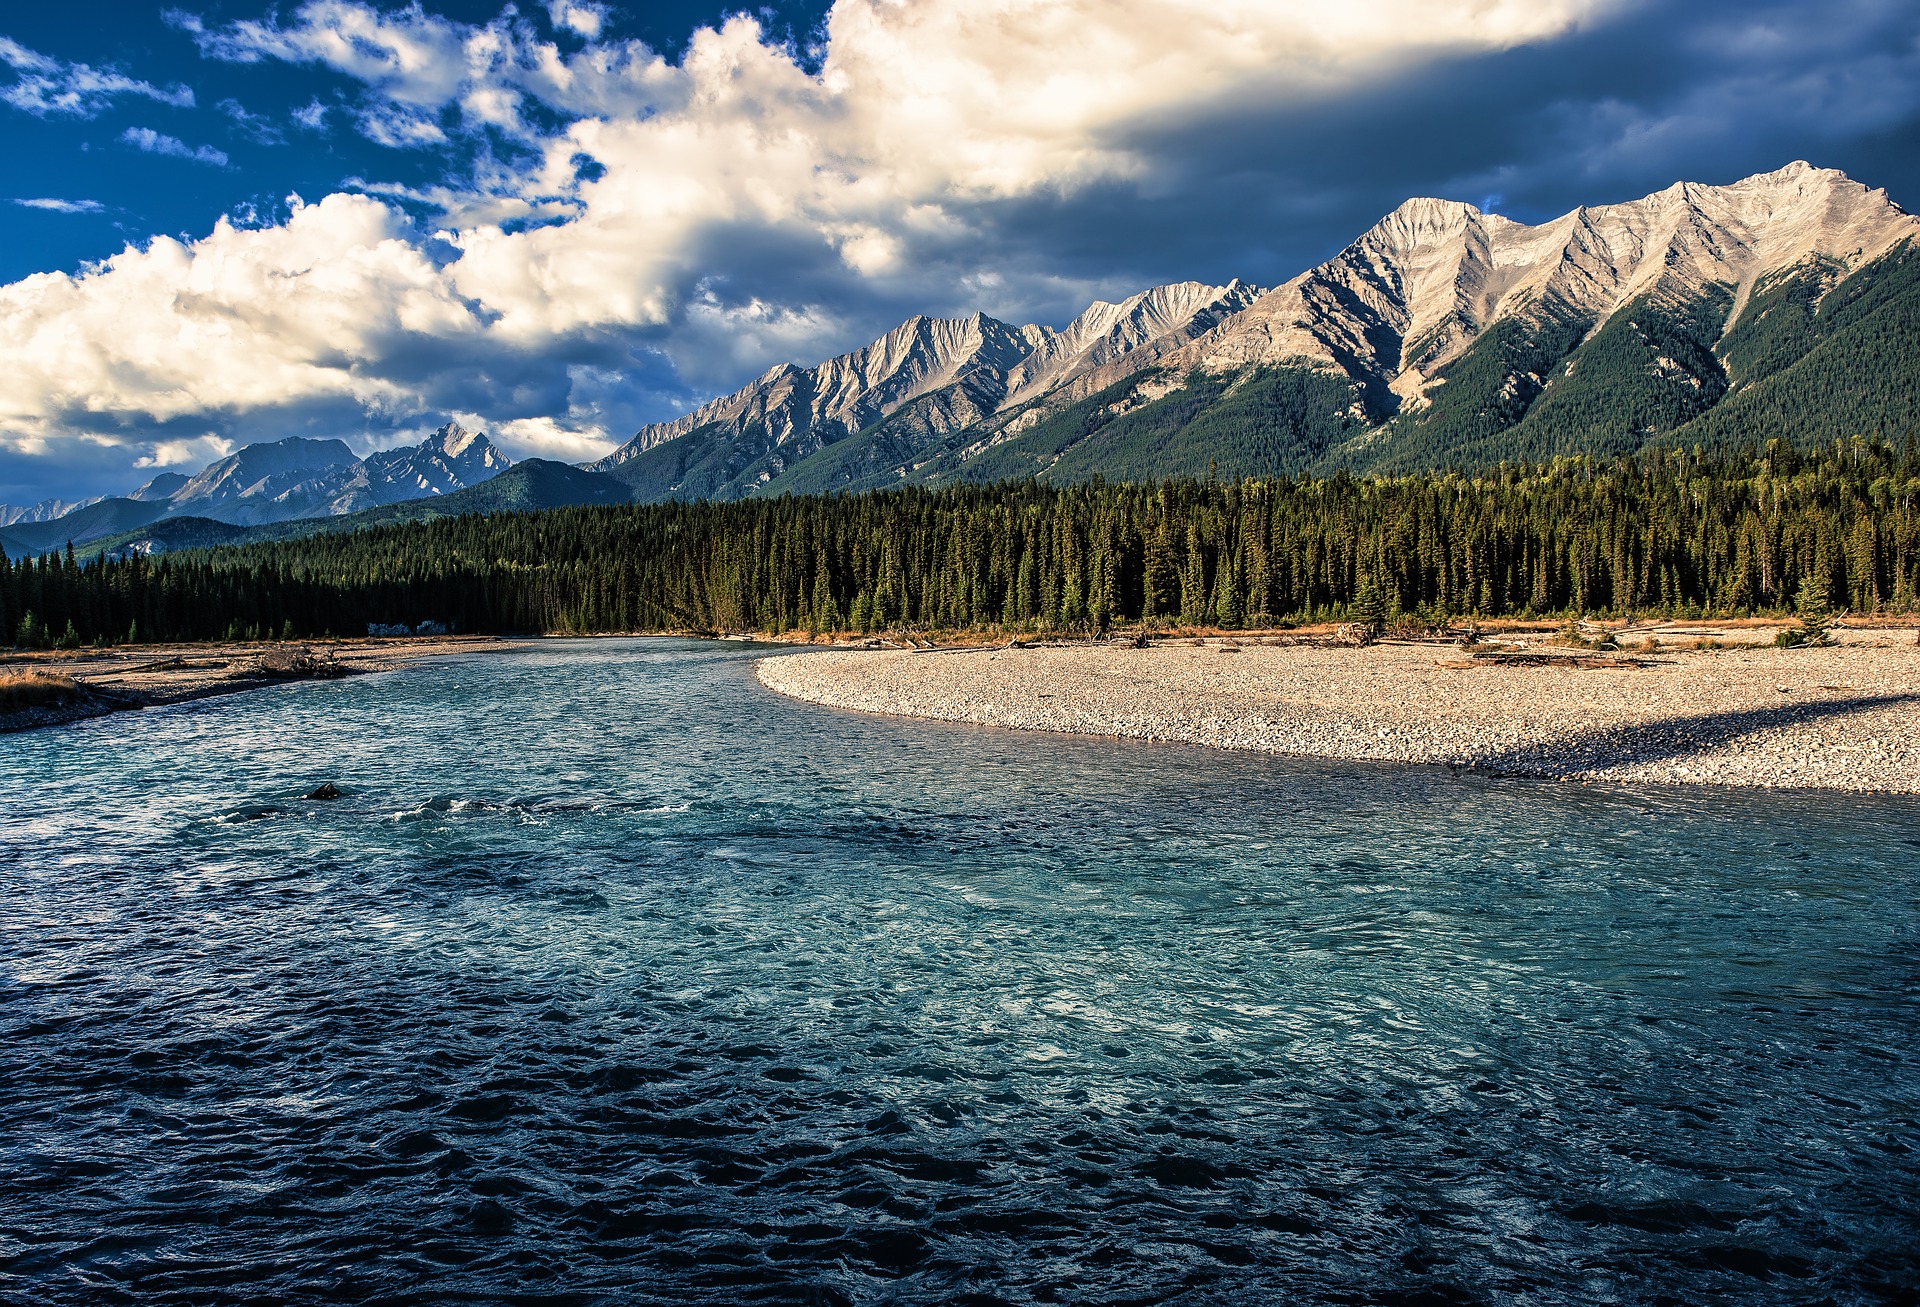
(1671, 532)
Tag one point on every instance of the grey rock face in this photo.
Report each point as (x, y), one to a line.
(299, 478)
(1385, 317)
(967, 369)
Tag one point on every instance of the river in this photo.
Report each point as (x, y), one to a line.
(614, 978)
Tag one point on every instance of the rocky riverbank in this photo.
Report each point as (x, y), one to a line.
(1842, 718)
(145, 676)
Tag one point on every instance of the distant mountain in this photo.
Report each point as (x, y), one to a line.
(300, 478)
(528, 486)
(524, 487)
(285, 480)
(450, 460)
(1787, 304)
(262, 483)
(44, 511)
(101, 518)
(164, 486)
(171, 534)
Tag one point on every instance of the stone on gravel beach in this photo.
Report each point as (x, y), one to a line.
(1840, 718)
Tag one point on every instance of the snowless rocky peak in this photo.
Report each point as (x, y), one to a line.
(997, 364)
(453, 440)
(1388, 312)
(1416, 290)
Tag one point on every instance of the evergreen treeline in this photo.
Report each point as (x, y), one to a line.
(1682, 533)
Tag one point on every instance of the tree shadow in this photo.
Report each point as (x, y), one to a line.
(1669, 738)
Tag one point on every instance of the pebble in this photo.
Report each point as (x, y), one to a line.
(1841, 718)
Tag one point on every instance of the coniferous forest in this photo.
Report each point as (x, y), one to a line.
(1667, 532)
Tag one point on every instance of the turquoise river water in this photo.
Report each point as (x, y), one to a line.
(614, 978)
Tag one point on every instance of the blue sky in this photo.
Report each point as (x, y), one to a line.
(252, 125)
(563, 219)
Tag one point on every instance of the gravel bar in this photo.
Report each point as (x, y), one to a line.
(1840, 718)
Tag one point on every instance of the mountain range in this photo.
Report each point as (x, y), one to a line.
(1784, 305)
(285, 480)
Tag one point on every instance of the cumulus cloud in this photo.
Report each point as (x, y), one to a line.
(194, 453)
(546, 437)
(46, 87)
(581, 19)
(242, 321)
(152, 142)
(63, 206)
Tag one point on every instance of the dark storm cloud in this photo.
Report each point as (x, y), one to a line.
(1706, 92)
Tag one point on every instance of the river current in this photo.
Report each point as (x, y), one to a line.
(614, 978)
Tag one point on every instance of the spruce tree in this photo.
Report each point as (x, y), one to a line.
(1815, 614)
(1367, 610)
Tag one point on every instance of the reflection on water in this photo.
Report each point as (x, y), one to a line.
(614, 979)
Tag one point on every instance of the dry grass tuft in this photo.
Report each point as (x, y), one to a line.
(23, 690)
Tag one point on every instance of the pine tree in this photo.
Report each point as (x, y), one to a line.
(1814, 612)
(1668, 533)
(1367, 610)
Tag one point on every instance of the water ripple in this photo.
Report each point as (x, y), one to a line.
(612, 979)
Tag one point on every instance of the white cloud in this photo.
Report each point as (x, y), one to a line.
(63, 206)
(415, 65)
(581, 19)
(46, 87)
(145, 138)
(313, 116)
(194, 453)
(256, 125)
(546, 437)
(725, 212)
(241, 322)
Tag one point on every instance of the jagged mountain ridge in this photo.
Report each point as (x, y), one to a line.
(47, 510)
(1429, 340)
(277, 481)
(1413, 293)
(298, 478)
(938, 374)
